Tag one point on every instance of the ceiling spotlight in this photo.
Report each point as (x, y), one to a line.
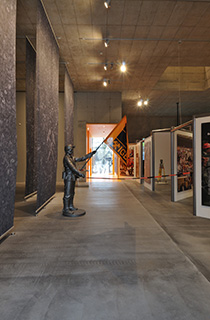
(146, 102)
(106, 43)
(111, 66)
(140, 102)
(105, 83)
(107, 3)
(105, 66)
(123, 67)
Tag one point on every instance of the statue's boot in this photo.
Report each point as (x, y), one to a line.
(71, 206)
(65, 207)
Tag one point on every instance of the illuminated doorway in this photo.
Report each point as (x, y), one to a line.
(104, 163)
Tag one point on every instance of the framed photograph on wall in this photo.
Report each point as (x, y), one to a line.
(202, 166)
(205, 163)
(182, 164)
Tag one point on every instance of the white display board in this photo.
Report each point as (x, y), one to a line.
(182, 162)
(139, 161)
(162, 151)
(202, 167)
(148, 168)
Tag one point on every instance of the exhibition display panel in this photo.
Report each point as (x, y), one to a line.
(140, 161)
(161, 155)
(181, 164)
(148, 167)
(202, 166)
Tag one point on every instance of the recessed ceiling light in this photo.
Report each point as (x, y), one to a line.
(140, 102)
(105, 83)
(105, 66)
(123, 67)
(106, 43)
(107, 3)
(146, 102)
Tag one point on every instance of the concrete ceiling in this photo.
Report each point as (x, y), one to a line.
(165, 44)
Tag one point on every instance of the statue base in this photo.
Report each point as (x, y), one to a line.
(75, 213)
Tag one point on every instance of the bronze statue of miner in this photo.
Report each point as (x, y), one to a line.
(70, 176)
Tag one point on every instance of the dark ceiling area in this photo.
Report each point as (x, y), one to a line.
(165, 45)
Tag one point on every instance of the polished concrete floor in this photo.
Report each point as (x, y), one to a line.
(134, 255)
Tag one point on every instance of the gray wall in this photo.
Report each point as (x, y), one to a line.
(94, 107)
(60, 138)
(68, 109)
(21, 136)
(31, 126)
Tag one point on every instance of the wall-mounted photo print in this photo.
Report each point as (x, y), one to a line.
(184, 163)
(205, 163)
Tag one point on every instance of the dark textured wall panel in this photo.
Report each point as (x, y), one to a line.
(31, 151)
(47, 76)
(8, 139)
(69, 109)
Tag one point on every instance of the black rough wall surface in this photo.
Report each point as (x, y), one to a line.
(47, 86)
(68, 109)
(8, 137)
(31, 151)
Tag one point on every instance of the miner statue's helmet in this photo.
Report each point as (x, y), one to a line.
(69, 148)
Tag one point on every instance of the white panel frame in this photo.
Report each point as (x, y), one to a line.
(199, 209)
(157, 154)
(147, 185)
(177, 196)
(139, 149)
(141, 162)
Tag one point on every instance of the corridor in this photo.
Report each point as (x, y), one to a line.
(126, 259)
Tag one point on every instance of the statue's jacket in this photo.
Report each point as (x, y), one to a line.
(70, 168)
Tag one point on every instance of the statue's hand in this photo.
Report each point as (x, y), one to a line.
(82, 175)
